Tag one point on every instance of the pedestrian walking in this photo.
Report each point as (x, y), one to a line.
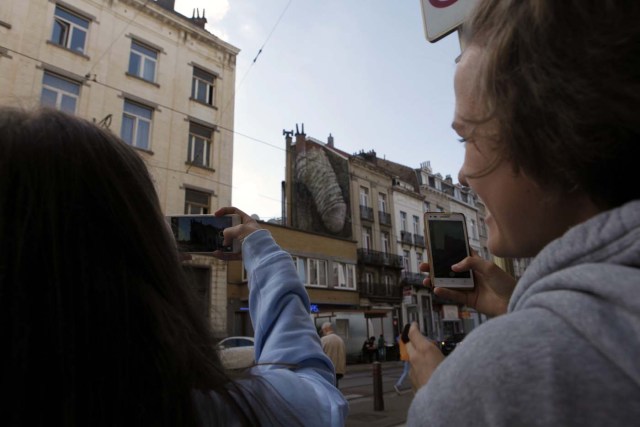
(333, 346)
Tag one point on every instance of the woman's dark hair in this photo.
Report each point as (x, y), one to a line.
(98, 324)
(562, 79)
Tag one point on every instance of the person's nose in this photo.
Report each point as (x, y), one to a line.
(462, 178)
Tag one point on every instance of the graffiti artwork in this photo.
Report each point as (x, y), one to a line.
(321, 190)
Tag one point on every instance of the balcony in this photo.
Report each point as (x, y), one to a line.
(379, 290)
(366, 213)
(385, 218)
(418, 240)
(406, 237)
(368, 256)
(408, 278)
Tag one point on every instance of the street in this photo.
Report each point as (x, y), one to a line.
(357, 387)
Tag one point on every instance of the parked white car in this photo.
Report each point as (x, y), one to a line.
(237, 352)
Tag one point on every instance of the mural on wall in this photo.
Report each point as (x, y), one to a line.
(321, 191)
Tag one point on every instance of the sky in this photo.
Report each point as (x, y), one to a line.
(361, 70)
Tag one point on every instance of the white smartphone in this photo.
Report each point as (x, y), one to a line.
(447, 244)
(203, 233)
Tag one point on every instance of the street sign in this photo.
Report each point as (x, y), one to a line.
(441, 17)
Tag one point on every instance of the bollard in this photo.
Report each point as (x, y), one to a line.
(378, 401)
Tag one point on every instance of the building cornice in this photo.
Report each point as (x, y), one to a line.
(182, 23)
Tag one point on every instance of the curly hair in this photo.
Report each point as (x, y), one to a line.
(562, 80)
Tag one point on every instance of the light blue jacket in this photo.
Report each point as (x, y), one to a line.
(292, 382)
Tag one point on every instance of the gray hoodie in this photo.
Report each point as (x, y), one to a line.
(567, 353)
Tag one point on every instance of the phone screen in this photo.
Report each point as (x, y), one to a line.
(200, 233)
(448, 246)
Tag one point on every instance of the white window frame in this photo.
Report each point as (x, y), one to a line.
(300, 264)
(136, 121)
(317, 273)
(382, 202)
(70, 28)
(385, 242)
(386, 280)
(403, 221)
(416, 225)
(209, 86)
(364, 196)
(60, 92)
(406, 260)
(144, 60)
(366, 238)
(194, 207)
(343, 275)
(194, 138)
(368, 282)
(418, 261)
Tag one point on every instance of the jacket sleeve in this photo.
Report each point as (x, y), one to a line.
(288, 350)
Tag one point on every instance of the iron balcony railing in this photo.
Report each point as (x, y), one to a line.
(418, 240)
(379, 290)
(385, 218)
(366, 213)
(406, 237)
(409, 278)
(368, 256)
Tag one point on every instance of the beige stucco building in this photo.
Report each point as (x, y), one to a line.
(154, 77)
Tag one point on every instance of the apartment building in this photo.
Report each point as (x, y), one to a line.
(154, 77)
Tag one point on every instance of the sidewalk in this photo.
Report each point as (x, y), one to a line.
(361, 412)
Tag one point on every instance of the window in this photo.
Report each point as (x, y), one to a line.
(59, 93)
(69, 30)
(474, 230)
(405, 260)
(196, 202)
(368, 282)
(199, 152)
(300, 265)
(418, 261)
(416, 225)
(364, 196)
(343, 276)
(203, 86)
(384, 238)
(382, 202)
(439, 208)
(427, 206)
(317, 272)
(386, 280)
(136, 125)
(403, 221)
(366, 238)
(142, 61)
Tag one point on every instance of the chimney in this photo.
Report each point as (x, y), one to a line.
(330, 141)
(196, 20)
(301, 139)
(166, 4)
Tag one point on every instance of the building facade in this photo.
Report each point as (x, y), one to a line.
(154, 77)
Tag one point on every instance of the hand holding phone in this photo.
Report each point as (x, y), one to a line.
(237, 233)
(203, 233)
(447, 244)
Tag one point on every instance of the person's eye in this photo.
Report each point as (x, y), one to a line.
(462, 140)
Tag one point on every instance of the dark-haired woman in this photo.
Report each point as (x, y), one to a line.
(98, 324)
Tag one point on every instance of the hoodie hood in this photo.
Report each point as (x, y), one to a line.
(590, 277)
